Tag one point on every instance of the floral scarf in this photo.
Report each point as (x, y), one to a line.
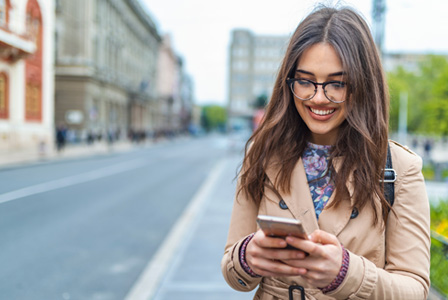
(315, 160)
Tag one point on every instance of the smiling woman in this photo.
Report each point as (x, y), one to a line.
(323, 111)
(319, 156)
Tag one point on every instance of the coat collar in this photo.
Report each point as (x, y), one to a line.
(299, 202)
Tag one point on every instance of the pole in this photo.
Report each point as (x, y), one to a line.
(403, 118)
(378, 16)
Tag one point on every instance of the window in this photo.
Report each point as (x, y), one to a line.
(240, 65)
(4, 12)
(33, 65)
(4, 96)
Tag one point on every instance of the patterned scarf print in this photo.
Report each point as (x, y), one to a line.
(315, 160)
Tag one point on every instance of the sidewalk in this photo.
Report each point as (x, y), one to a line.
(193, 269)
(29, 156)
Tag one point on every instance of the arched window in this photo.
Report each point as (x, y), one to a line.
(4, 96)
(33, 64)
(5, 5)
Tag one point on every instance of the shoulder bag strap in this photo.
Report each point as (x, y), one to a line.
(389, 179)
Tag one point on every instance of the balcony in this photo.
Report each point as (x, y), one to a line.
(14, 47)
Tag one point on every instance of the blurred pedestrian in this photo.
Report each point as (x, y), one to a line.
(90, 137)
(414, 143)
(319, 156)
(60, 137)
(427, 147)
(258, 118)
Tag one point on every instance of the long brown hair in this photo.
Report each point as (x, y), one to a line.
(362, 142)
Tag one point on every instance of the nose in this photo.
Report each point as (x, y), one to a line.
(319, 97)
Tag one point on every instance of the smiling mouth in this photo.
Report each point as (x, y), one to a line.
(322, 112)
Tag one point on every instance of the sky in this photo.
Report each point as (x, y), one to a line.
(200, 30)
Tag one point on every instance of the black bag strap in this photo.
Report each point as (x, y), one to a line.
(389, 179)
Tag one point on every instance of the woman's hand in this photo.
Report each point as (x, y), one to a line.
(324, 261)
(265, 256)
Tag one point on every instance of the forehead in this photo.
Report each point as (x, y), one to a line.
(320, 59)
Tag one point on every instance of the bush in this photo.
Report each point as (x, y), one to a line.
(435, 172)
(439, 246)
(428, 172)
(445, 174)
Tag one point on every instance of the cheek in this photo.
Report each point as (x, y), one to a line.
(343, 113)
(300, 108)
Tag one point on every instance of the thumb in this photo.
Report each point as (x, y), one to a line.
(324, 238)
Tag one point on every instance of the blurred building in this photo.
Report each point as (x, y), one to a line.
(254, 61)
(106, 67)
(187, 101)
(26, 74)
(408, 61)
(175, 91)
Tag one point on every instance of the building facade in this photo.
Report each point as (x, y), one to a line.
(106, 67)
(408, 61)
(175, 91)
(26, 74)
(254, 61)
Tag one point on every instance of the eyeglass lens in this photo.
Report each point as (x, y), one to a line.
(335, 91)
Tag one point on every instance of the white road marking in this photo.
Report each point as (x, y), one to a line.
(73, 180)
(148, 282)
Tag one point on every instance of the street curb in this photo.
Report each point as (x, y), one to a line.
(147, 284)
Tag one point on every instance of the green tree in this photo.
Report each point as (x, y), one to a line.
(213, 117)
(427, 92)
(436, 110)
(399, 81)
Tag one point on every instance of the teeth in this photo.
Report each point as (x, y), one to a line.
(322, 112)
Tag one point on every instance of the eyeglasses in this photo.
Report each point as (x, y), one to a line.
(304, 89)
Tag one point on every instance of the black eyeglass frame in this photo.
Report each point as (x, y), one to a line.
(290, 82)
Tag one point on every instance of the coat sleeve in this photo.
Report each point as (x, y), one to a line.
(242, 223)
(407, 236)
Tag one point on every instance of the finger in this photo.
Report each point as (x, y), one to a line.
(323, 237)
(307, 246)
(265, 241)
(311, 263)
(269, 267)
(280, 254)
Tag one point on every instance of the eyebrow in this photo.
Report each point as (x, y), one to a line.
(341, 73)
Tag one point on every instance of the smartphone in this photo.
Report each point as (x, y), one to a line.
(281, 227)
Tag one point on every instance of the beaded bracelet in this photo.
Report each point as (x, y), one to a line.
(242, 257)
(342, 273)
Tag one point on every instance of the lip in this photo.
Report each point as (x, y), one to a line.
(320, 117)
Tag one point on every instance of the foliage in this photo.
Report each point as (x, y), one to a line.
(439, 266)
(439, 214)
(427, 96)
(213, 117)
(439, 250)
(436, 172)
(428, 171)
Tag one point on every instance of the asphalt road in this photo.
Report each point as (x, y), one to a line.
(85, 228)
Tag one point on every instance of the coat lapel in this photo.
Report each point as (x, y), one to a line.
(334, 219)
(299, 201)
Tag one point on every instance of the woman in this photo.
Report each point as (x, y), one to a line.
(319, 156)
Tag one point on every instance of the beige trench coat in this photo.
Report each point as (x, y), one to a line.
(384, 264)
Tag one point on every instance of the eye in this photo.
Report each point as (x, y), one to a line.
(337, 84)
(304, 82)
